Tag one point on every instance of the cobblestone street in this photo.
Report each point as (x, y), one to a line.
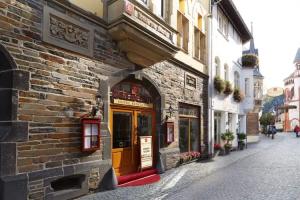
(267, 170)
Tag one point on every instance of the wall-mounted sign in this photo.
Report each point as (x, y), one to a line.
(146, 152)
(132, 103)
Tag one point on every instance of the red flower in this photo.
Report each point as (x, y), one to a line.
(217, 146)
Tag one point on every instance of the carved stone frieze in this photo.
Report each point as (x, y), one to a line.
(69, 32)
(63, 31)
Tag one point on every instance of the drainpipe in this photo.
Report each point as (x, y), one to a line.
(210, 82)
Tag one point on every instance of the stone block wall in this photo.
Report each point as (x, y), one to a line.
(58, 88)
(47, 89)
(169, 78)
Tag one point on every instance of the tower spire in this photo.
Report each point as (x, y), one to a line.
(252, 46)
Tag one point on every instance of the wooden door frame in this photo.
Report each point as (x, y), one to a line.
(134, 111)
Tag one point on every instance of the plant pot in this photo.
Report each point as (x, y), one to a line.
(227, 150)
(241, 145)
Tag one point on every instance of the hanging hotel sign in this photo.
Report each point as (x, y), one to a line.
(132, 103)
(146, 151)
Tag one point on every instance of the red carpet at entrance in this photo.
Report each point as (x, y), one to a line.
(138, 179)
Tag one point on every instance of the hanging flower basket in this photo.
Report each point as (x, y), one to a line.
(238, 96)
(228, 88)
(219, 84)
(250, 60)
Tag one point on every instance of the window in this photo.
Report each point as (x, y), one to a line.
(144, 1)
(200, 22)
(93, 6)
(199, 42)
(217, 66)
(257, 91)
(223, 23)
(183, 31)
(226, 72)
(182, 6)
(236, 80)
(189, 128)
(160, 8)
(247, 87)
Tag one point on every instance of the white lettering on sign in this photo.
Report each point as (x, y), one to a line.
(146, 151)
(144, 18)
(133, 103)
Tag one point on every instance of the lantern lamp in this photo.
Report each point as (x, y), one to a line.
(90, 134)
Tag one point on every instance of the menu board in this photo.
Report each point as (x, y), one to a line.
(146, 151)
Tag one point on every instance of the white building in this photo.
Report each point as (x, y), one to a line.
(228, 35)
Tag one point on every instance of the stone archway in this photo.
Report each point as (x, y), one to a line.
(140, 99)
(12, 80)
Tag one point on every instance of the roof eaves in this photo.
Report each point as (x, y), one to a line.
(233, 14)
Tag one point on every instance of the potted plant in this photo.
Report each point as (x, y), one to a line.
(227, 148)
(249, 60)
(227, 137)
(228, 88)
(219, 84)
(237, 95)
(241, 141)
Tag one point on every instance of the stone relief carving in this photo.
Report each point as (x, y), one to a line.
(69, 32)
(64, 31)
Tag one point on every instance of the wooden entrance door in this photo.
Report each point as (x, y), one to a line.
(126, 127)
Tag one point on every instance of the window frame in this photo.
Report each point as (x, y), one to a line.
(190, 118)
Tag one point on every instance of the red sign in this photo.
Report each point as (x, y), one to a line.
(129, 7)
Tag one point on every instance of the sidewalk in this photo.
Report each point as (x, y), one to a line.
(183, 176)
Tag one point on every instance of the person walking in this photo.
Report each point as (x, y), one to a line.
(273, 131)
(297, 130)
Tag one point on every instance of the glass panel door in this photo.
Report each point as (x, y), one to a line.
(144, 124)
(184, 135)
(122, 129)
(195, 135)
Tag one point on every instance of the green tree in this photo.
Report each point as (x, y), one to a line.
(267, 119)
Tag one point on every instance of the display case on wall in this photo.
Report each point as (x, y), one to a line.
(90, 134)
(170, 132)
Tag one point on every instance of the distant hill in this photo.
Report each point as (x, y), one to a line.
(271, 103)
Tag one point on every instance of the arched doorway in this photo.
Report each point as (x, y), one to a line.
(134, 114)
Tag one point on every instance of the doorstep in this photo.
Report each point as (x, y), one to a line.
(140, 178)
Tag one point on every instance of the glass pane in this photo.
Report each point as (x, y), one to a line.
(94, 129)
(122, 128)
(94, 141)
(195, 135)
(87, 129)
(144, 125)
(183, 135)
(87, 142)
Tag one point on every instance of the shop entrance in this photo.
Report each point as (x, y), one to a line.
(127, 126)
(131, 117)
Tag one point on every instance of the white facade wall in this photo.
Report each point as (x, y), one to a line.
(228, 51)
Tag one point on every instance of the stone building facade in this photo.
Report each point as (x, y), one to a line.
(55, 58)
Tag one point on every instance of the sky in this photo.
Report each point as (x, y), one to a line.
(276, 35)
